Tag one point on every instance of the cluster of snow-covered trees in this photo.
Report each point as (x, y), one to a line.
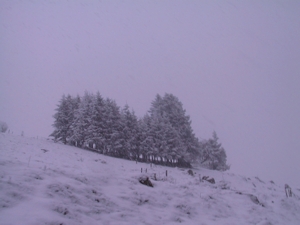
(164, 135)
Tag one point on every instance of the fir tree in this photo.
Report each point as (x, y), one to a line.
(214, 155)
(128, 134)
(82, 121)
(95, 134)
(169, 111)
(112, 127)
(64, 118)
(144, 139)
(73, 105)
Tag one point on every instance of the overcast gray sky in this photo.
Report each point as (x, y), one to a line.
(233, 64)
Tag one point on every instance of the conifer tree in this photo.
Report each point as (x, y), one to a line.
(95, 134)
(169, 111)
(144, 139)
(82, 121)
(64, 117)
(214, 154)
(73, 105)
(128, 134)
(112, 127)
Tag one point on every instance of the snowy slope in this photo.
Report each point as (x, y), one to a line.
(42, 182)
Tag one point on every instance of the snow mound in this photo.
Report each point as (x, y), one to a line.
(42, 182)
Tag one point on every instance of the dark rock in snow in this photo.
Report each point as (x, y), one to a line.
(190, 172)
(210, 180)
(145, 181)
(255, 200)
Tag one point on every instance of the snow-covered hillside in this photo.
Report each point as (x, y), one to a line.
(42, 182)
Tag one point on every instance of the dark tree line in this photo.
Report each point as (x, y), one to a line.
(164, 135)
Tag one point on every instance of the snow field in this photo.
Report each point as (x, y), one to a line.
(42, 182)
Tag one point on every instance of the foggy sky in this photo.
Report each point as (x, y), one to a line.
(233, 64)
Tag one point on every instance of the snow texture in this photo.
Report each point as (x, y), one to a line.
(42, 182)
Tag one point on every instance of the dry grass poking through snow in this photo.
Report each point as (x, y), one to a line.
(42, 182)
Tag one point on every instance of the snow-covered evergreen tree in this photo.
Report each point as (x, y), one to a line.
(166, 142)
(168, 110)
(145, 141)
(128, 134)
(81, 126)
(64, 117)
(95, 134)
(73, 105)
(214, 155)
(112, 127)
